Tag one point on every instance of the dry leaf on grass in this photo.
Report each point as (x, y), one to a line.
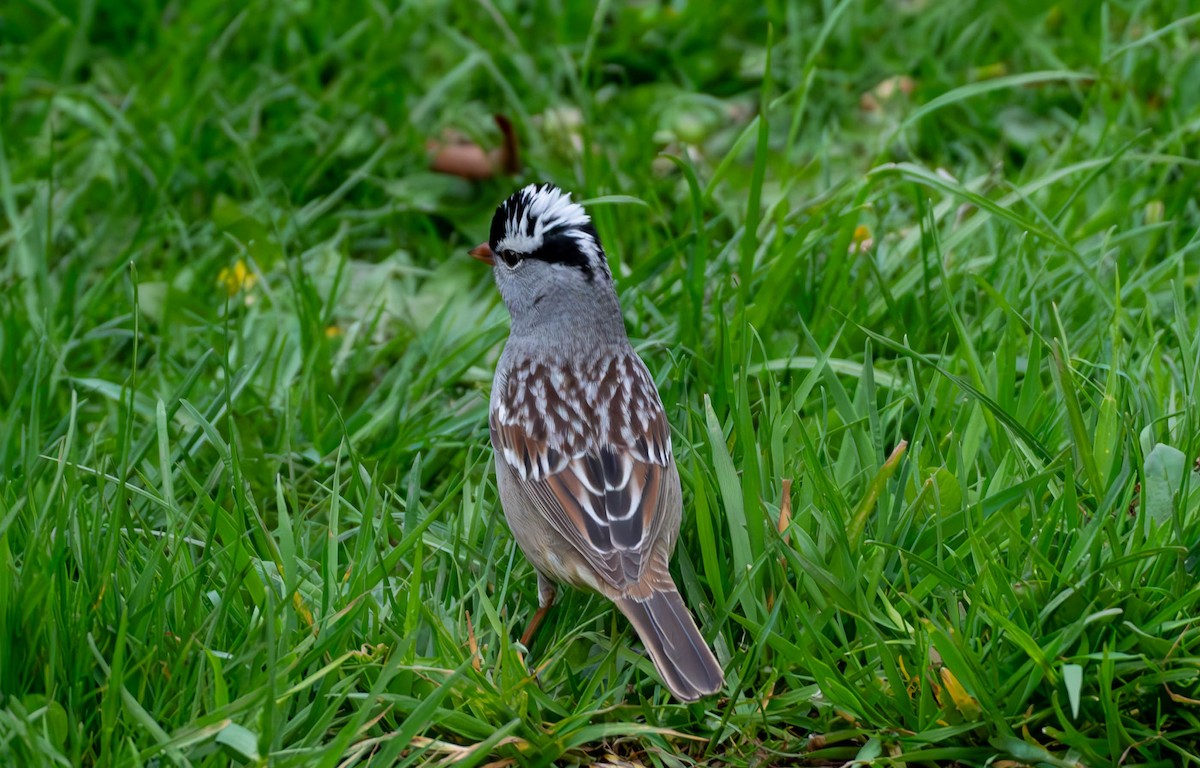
(458, 156)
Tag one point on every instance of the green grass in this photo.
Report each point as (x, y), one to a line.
(247, 510)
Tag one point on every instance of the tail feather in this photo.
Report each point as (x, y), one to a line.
(676, 647)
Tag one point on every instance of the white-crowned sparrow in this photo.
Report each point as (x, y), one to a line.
(583, 448)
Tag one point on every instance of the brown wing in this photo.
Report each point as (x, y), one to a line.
(592, 450)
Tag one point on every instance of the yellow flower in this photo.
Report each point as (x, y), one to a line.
(332, 332)
(862, 240)
(237, 278)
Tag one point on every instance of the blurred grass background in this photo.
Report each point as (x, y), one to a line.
(918, 280)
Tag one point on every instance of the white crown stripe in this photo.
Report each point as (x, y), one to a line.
(546, 208)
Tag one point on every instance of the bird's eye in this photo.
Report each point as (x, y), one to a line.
(510, 258)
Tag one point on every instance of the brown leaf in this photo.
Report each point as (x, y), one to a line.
(473, 645)
(467, 161)
(785, 519)
(1180, 698)
(785, 509)
(457, 156)
(510, 157)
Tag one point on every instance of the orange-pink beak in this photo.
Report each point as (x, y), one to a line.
(483, 252)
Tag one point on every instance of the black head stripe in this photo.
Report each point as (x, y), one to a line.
(560, 247)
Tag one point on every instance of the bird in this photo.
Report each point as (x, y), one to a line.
(584, 467)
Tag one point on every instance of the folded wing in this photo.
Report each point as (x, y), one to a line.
(593, 449)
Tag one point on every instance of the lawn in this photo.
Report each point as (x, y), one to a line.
(918, 281)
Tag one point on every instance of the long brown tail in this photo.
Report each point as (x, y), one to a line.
(675, 644)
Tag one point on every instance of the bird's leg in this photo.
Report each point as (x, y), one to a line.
(546, 592)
